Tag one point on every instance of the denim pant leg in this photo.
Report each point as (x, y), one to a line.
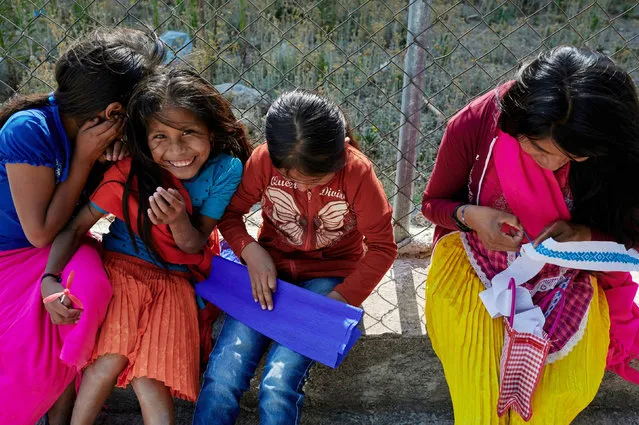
(285, 372)
(232, 364)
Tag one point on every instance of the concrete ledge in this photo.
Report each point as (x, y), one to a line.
(392, 375)
(386, 380)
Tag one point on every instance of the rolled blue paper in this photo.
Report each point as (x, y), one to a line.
(313, 325)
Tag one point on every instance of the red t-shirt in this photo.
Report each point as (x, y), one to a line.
(319, 232)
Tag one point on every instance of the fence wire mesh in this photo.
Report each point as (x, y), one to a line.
(353, 51)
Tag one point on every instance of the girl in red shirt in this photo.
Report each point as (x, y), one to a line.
(327, 227)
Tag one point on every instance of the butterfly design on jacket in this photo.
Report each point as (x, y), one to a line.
(328, 225)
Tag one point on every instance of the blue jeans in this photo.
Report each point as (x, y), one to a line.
(232, 364)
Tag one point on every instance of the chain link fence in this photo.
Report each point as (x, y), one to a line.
(354, 51)
(398, 68)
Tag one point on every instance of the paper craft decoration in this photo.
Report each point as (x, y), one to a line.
(313, 325)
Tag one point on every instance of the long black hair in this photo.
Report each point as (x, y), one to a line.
(173, 88)
(589, 107)
(306, 132)
(99, 69)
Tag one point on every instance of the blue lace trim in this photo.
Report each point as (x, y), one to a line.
(588, 256)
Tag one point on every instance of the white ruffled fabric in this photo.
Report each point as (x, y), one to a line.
(594, 256)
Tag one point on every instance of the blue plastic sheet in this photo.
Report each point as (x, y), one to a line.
(313, 325)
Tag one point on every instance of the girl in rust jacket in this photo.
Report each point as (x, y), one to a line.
(326, 227)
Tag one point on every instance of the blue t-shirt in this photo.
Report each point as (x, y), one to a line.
(210, 192)
(35, 137)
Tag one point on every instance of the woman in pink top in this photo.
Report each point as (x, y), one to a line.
(547, 155)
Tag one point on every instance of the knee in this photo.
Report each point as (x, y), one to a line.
(228, 371)
(280, 377)
(107, 367)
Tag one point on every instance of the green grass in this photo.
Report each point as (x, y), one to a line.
(351, 51)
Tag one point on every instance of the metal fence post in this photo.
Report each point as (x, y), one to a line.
(418, 17)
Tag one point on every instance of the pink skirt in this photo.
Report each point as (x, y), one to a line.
(38, 359)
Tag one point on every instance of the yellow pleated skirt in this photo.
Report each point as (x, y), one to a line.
(469, 342)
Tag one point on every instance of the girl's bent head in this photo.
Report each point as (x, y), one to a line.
(306, 136)
(575, 105)
(576, 99)
(178, 120)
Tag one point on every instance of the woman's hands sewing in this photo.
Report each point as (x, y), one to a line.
(564, 231)
(498, 230)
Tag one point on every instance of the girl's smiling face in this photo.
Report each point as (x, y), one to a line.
(179, 142)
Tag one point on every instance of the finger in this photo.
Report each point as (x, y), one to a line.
(89, 124)
(272, 281)
(268, 296)
(115, 124)
(66, 302)
(549, 232)
(66, 315)
(167, 196)
(108, 153)
(260, 293)
(99, 128)
(504, 242)
(154, 207)
(511, 220)
(152, 216)
(113, 131)
(176, 194)
(71, 318)
(164, 206)
(253, 288)
(65, 320)
(116, 149)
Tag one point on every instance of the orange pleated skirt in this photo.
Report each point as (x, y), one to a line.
(152, 320)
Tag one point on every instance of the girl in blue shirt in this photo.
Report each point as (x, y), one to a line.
(49, 147)
(187, 150)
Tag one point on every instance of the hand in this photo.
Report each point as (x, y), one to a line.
(498, 230)
(166, 207)
(94, 137)
(115, 151)
(262, 272)
(337, 296)
(564, 231)
(61, 313)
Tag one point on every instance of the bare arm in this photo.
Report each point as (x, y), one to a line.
(68, 241)
(191, 237)
(44, 207)
(64, 246)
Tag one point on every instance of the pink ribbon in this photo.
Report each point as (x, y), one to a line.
(66, 293)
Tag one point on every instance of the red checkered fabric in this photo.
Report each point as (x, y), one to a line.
(579, 289)
(522, 362)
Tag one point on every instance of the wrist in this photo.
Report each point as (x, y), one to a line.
(460, 217)
(248, 250)
(53, 276)
(181, 222)
(81, 163)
